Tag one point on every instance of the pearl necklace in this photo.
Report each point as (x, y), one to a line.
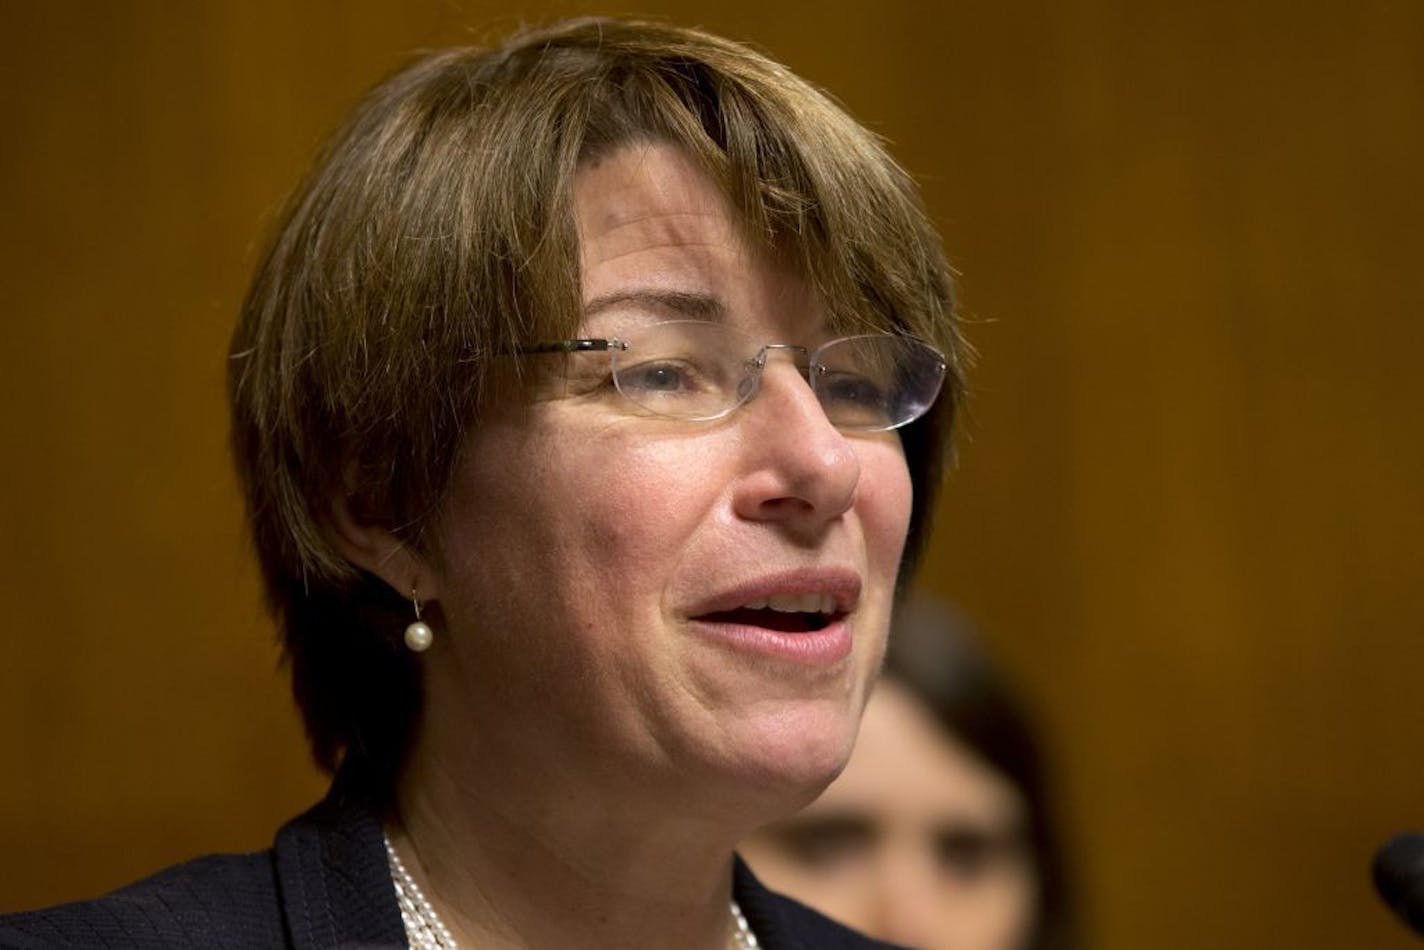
(742, 933)
(424, 930)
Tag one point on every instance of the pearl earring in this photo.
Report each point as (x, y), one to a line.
(418, 636)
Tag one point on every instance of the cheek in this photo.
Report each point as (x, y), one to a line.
(1000, 913)
(576, 514)
(647, 497)
(642, 507)
(885, 500)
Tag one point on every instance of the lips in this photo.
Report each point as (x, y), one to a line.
(827, 590)
(801, 615)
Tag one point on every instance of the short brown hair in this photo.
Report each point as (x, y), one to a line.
(435, 233)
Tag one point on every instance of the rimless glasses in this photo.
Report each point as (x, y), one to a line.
(697, 370)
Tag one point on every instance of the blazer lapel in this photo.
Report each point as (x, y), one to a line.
(333, 877)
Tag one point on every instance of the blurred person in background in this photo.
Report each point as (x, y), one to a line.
(939, 833)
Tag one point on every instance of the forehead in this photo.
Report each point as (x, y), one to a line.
(652, 225)
(647, 194)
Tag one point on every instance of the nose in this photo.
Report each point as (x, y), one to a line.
(800, 469)
(907, 900)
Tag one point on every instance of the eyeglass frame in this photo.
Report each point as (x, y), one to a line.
(612, 344)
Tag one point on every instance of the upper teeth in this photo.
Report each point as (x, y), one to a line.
(796, 603)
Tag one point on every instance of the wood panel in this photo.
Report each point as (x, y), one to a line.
(1188, 507)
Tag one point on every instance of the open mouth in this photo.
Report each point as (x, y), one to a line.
(782, 621)
(806, 625)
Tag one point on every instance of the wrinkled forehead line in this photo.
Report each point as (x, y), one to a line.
(639, 179)
(654, 191)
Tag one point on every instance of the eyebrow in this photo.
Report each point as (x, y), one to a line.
(693, 305)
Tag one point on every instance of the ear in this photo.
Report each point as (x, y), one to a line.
(370, 546)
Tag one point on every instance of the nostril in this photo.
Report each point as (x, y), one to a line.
(786, 506)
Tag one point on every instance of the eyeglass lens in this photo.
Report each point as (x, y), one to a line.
(698, 370)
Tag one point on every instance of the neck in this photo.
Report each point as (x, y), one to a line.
(508, 863)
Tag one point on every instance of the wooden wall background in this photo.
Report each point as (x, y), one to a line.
(1189, 507)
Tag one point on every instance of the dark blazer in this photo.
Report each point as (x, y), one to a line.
(324, 884)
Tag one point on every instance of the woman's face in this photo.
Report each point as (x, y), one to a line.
(598, 563)
(918, 842)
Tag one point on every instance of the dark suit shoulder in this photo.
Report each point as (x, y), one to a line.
(218, 901)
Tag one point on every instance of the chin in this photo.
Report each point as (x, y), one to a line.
(794, 755)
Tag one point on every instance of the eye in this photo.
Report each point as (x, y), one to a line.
(852, 397)
(970, 854)
(666, 377)
(852, 388)
(825, 845)
(963, 853)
